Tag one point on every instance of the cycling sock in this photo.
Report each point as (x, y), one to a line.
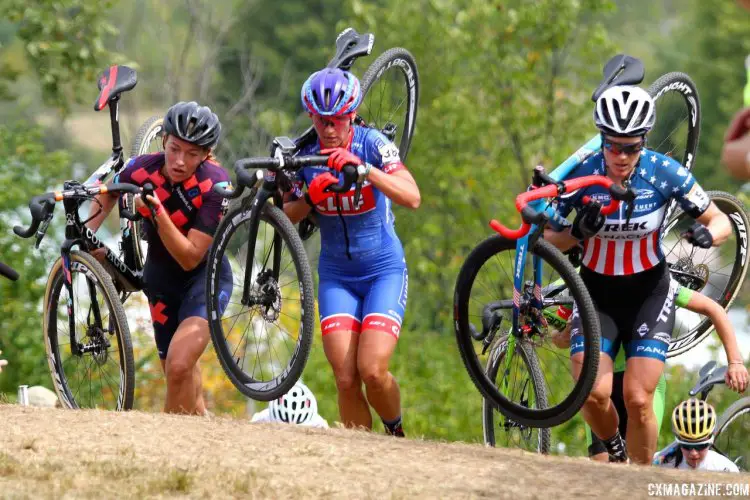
(394, 427)
(616, 448)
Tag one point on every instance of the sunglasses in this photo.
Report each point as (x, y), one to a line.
(696, 447)
(334, 120)
(620, 148)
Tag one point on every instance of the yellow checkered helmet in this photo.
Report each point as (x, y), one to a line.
(693, 422)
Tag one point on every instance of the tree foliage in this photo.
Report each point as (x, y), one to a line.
(504, 87)
(28, 168)
(65, 43)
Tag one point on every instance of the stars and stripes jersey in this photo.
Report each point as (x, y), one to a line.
(623, 247)
(361, 241)
(191, 204)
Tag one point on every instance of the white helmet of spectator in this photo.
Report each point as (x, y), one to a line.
(298, 406)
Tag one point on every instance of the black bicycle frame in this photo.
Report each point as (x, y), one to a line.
(77, 234)
(269, 189)
(113, 165)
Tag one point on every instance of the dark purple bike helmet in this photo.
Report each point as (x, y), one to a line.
(193, 123)
(331, 92)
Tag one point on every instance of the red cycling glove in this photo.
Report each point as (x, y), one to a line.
(316, 192)
(340, 157)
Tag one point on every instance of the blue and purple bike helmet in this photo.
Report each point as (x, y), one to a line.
(331, 92)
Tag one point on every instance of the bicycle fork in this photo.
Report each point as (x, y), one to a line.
(76, 348)
(535, 301)
(264, 193)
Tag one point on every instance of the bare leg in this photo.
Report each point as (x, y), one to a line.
(341, 350)
(187, 345)
(375, 351)
(641, 377)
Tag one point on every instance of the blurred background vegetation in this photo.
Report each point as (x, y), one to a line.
(505, 85)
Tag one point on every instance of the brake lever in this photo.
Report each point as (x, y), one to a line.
(42, 231)
(148, 190)
(631, 202)
(357, 193)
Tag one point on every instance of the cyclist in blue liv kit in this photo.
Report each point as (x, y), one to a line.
(363, 277)
(624, 268)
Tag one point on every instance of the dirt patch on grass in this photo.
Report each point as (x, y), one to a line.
(49, 453)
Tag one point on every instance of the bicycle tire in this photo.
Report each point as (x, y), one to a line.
(680, 84)
(531, 361)
(88, 265)
(149, 131)
(740, 224)
(248, 384)
(729, 415)
(683, 85)
(402, 62)
(552, 415)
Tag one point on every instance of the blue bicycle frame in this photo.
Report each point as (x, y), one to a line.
(522, 244)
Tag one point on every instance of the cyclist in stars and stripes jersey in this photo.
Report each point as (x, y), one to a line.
(624, 268)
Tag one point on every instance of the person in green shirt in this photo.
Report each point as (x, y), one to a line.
(736, 377)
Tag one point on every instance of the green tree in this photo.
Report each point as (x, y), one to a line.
(26, 165)
(64, 42)
(714, 57)
(63, 45)
(505, 86)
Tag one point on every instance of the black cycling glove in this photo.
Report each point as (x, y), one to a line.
(589, 220)
(699, 235)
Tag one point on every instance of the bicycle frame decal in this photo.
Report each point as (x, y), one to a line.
(520, 265)
(113, 164)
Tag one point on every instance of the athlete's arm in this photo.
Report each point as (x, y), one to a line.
(717, 223)
(107, 201)
(296, 210)
(563, 240)
(399, 186)
(188, 250)
(737, 376)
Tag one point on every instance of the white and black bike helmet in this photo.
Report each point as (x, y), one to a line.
(298, 406)
(193, 123)
(625, 111)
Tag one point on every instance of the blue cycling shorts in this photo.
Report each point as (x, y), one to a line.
(358, 305)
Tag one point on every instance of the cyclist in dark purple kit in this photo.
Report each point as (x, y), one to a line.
(183, 216)
(363, 277)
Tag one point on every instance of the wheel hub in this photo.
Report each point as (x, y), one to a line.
(269, 296)
(98, 345)
(690, 275)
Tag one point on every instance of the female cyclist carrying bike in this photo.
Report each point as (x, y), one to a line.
(624, 268)
(183, 215)
(362, 269)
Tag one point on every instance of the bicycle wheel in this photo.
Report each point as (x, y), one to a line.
(148, 140)
(391, 97)
(527, 381)
(262, 344)
(678, 118)
(732, 435)
(717, 272)
(103, 375)
(478, 298)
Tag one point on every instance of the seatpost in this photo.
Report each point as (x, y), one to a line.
(114, 117)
